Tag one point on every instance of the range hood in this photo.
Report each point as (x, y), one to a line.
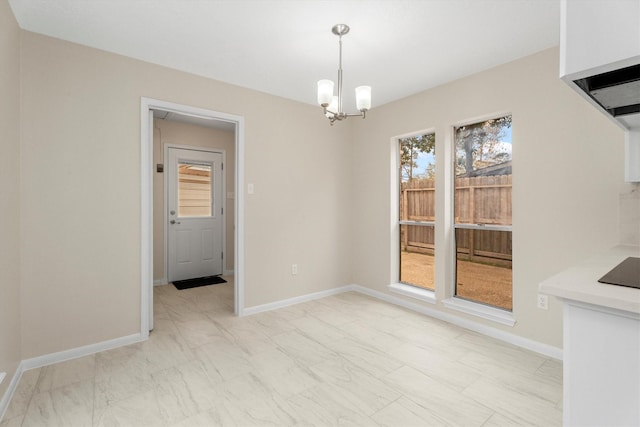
(617, 92)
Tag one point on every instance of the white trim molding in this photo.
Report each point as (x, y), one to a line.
(538, 347)
(8, 394)
(62, 356)
(74, 353)
(295, 300)
(146, 201)
(480, 310)
(413, 292)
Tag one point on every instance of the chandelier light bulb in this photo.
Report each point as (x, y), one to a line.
(363, 98)
(325, 92)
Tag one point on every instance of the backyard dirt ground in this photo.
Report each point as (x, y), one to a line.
(479, 282)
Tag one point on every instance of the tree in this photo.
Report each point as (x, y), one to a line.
(478, 145)
(411, 148)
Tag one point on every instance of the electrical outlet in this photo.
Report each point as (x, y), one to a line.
(294, 269)
(543, 301)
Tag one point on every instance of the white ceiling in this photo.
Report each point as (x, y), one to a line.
(282, 47)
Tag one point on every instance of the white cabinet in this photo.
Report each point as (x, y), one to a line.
(601, 366)
(598, 36)
(601, 343)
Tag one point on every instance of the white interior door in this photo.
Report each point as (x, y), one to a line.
(195, 214)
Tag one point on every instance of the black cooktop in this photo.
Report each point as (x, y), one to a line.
(627, 273)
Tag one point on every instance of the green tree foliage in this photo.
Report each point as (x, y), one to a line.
(410, 149)
(478, 145)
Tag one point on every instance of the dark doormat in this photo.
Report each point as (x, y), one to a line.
(200, 281)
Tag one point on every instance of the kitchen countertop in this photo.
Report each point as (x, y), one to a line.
(580, 282)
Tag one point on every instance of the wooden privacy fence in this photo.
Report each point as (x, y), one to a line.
(478, 200)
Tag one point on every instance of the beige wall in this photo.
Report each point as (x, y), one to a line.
(172, 132)
(10, 354)
(567, 174)
(81, 143)
(322, 194)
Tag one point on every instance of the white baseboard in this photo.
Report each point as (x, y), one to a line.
(507, 337)
(8, 394)
(296, 300)
(74, 353)
(538, 347)
(61, 356)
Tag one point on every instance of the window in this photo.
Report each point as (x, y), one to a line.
(482, 207)
(417, 210)
(194, 190)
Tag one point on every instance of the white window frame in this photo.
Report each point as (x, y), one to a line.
(396, 286)
(454, 302)
(445, 251)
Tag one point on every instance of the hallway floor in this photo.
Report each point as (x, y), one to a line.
(347, 359)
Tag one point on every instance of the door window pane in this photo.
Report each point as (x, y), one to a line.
(194, 190)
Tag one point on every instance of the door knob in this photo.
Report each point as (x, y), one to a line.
(173, 221)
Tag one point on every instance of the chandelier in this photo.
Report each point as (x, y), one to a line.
(332, 105)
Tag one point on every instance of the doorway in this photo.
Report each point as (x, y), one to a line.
(147, 172)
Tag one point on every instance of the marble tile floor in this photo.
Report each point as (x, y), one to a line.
(348, 360)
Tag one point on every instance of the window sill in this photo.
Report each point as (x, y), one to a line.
(480, 310)
(413, 292)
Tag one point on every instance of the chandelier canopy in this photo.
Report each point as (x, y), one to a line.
(331, 104)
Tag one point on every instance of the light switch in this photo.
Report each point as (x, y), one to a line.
(250, 188)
